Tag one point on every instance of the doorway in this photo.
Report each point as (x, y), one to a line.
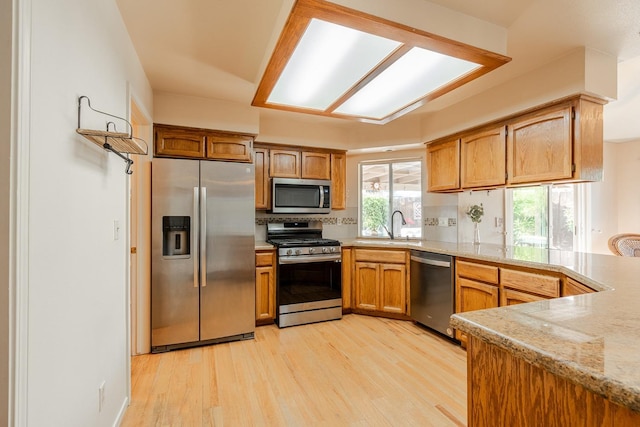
(140, 236)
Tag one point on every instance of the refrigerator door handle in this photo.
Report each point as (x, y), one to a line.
(194, 235)
(203, 236)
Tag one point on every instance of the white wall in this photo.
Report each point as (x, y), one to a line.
(492, 224)
(5, 202)
(78, 295)
(206, 113)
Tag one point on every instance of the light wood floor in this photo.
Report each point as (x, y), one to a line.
(357, 371)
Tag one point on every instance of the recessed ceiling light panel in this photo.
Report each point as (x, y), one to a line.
(410, 78)
(328, 60)
(335, 61)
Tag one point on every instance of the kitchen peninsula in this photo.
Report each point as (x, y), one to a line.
(562, 361)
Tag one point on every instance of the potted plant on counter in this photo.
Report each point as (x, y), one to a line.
(475, 212)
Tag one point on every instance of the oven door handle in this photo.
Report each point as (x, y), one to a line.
(308, 259)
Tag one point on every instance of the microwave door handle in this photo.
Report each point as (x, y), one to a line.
(321, 196)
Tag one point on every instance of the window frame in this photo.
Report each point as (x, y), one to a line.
(581, 216)
(388, 163)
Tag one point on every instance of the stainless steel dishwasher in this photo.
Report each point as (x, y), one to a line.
(432, 290)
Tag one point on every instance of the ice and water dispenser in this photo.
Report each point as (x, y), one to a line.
(176, 236)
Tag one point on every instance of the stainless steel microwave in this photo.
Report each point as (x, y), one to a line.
(291, 195)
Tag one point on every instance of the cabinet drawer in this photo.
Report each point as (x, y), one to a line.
(530, 282)
(369, 255)
(264, 259)
(471, 270)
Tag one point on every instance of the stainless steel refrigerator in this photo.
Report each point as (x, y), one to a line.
(203, 252)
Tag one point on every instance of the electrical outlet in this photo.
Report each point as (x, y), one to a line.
(116, 229)
(443, 221)
(101, 396)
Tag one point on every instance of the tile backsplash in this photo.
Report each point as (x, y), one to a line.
(341, 224)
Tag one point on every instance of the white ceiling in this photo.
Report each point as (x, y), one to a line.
(218, 48)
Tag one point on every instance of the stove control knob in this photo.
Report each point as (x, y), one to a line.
(325, 250)
(288, 251)
(332, 249)
(311, 250)
(297, 251)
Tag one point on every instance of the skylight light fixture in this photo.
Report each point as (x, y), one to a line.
(335, 61)
(329, 59)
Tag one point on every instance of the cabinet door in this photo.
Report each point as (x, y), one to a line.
(472, 295)
(347, 268)
(231, 147)
(483, 160)
(511, 297)
(284, 163)
(316, 165)
(393, 288)
(539, 147)
(263, 189)
(338, 181)
(443, 166)
(179, 143)
(366, 286)
(265, 286)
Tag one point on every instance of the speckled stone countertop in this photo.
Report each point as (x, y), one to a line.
(261, 245)
(592, 339)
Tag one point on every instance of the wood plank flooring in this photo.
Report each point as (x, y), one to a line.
(357, 371)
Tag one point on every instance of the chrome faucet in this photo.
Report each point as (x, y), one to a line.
(404, 222)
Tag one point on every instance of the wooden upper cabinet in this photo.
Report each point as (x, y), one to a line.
(263, 189)
(284, 163)
(316, 165)
(233, 147)
(540, 146)
(177, 142)
(338, 181)
(443, 166)
(561, 141)
(483, 159)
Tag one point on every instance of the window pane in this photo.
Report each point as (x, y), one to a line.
(375, 199)
(407, 198)
(385, 188)
(530, 216)
(562, 217)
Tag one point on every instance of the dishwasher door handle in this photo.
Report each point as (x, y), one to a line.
(434, 262)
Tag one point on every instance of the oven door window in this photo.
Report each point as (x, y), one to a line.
(308, 282)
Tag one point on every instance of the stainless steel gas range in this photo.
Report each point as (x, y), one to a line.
(309, 273)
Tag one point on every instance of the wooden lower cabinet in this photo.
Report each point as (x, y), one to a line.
(481, 285)
(511, 297)
(476, 289)
(347, 275)
(265, 287)
(573, 287)
(504, 390)
(380, 281)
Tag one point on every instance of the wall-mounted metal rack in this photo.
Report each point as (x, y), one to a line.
(110, 139)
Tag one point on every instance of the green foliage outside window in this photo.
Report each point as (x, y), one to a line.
(374, 212)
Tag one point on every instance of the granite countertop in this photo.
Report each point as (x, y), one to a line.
(592, 339)
(261, 245)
